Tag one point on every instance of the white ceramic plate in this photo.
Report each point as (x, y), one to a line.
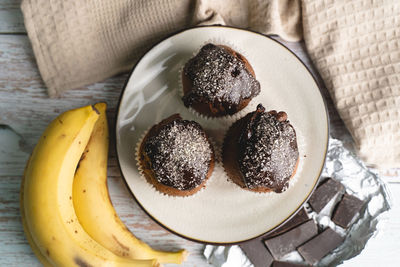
(222, 212)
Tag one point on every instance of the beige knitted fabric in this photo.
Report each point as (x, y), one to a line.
(282, 17)
(354, 44)
(81, 42)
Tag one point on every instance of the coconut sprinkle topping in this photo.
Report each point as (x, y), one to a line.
(218, 76)
(180, 154)
(269, 152)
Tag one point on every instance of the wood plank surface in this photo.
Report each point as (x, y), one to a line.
(11, 19)
(25, 111)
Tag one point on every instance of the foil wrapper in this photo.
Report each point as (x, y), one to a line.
(341, 164)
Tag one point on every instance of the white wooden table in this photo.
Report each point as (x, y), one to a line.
(26, 109)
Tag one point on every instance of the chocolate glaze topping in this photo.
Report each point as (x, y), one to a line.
(218, 76)
(268, 151)
(179, 153)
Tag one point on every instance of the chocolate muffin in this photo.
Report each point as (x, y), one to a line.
(176, 156)
(218, 81)
(260, 151)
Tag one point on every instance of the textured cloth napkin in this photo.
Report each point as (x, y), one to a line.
(355, 45)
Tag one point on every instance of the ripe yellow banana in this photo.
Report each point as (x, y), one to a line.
(28, 235)
(93, 206)
(48, 212)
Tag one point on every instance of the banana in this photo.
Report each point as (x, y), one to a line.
(48, 212)
(93, 206)
(28, 235)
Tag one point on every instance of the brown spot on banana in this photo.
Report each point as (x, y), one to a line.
(120, 244)
(95, 109)
(47, 252)
(83, 155)
(82, 158)
(81, 263)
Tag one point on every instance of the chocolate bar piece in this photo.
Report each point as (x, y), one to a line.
(324, 193)
(321, 245)
(347, 210)
(257, 253)
(286, 264)
(287, 242)
(300, 217)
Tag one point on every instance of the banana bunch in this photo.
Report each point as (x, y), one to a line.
(67, 215)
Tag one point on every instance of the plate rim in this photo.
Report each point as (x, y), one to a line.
(320, 87)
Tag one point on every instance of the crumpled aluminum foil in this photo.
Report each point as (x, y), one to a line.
(342, 165)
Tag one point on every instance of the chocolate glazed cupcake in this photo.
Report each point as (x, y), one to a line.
(176, 156)
(260, 151)
(218, 81)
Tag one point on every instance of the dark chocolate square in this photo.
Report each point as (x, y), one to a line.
(300, 217)
(324, 193)
(257, 253)
(316, 248)
(287, 242)
(346, 211)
